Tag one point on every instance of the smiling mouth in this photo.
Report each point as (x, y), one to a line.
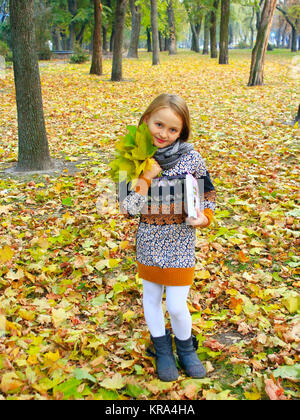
(160, 141)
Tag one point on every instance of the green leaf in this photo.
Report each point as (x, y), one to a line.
(107, 394)
(135, 391)
(292, 303)
(132, 150)
(83, 374)
(116, 382)
(276, 276)
(292, 372)
(294, 213)
(219, 396)
(98, 301)
(68, 388)
(67, 201)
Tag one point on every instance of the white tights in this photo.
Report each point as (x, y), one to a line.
(176, 297)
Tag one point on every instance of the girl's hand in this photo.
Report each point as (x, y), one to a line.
(201, 220)
(154, 171)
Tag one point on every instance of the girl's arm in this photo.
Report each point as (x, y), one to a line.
(136, 200)
(200, 171)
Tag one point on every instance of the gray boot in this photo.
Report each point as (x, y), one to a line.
(188, 358)
(165, 360)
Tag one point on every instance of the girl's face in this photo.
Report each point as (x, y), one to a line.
(165, 126)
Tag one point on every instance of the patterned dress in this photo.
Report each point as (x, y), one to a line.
(165, 244)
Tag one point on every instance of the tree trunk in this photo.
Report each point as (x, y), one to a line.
(135, 29)
(251, 28)
(258, 13)
(72, 6)
(105, 45)
(259, 50)
(149, 44)
(160, 40)
(213, 30)
(96, 67)
(166, 43)
(79, 36)
(225, 12)
(172, 29)
(283, 35)
(206, 33)
(294, 26)
(154, 26)
(297, 119)
(294, 38)
(195, 38)
(112, 38)
(56, 39)
(33, 153)
(116, 74)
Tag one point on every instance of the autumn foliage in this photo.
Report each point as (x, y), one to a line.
(71, 318)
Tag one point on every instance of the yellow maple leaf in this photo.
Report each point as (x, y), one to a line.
(6, 254)
(51, 357)
(127, 316)
(58, 316)
(10, 382)
(27, 315)
(253, 396)
(43, 243)
(203, 274)
(124, 244)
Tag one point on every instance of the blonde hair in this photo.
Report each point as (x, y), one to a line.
(177, 104)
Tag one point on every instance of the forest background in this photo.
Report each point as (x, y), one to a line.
(71, 320)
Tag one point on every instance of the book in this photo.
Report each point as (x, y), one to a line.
(192, 196)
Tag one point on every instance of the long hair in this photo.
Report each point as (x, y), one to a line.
(177, 104)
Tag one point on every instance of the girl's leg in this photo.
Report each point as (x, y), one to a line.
(181, 320)
(152, 303)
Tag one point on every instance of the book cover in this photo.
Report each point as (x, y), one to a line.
(192, 195)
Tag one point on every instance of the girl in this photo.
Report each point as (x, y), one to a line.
(165, 243)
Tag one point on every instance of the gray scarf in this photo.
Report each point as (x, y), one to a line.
(167, 157)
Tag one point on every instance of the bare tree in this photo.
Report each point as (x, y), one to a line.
(135, 28)
(116, 74)
(172, 29)
(154, 26)
(96, 67)
(206, 33)
(260, 47)
(213, 30)
(294, 23)
(297, 118)
(73, 8)
(33, 153)
(195, 15)
(225, 13)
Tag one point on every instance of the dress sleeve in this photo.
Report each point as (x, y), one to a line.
(131, 203)
(208, 190)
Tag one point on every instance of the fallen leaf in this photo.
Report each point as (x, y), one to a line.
(274, 390)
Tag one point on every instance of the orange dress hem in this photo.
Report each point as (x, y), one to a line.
(171, 276)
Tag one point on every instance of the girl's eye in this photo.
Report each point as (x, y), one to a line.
(173, 130)
(158, 124)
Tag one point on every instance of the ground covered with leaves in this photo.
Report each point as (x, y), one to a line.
(71, 318)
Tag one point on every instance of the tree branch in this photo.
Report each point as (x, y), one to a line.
(286, 16)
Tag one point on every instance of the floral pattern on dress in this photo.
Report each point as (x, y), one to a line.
(171, 245)
(166, 246)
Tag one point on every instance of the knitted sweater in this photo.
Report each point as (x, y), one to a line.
(165, 244)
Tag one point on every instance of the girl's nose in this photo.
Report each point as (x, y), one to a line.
(163, 134)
